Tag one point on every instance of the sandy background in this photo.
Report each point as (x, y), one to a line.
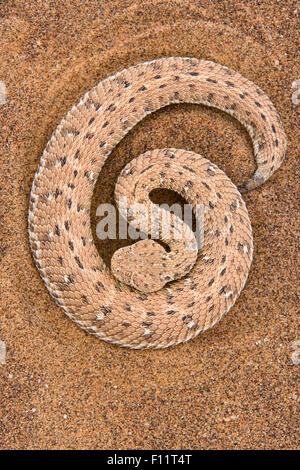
(235, 386)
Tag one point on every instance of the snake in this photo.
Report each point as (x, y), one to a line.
(153, 295)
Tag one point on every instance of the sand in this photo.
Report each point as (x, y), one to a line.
(235, 386)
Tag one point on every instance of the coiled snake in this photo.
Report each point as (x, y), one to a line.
(154, 298)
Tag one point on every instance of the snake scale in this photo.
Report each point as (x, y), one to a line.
(151, 298)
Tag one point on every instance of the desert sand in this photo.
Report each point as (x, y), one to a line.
(237, 385)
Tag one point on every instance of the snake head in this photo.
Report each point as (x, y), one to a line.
(141, 266)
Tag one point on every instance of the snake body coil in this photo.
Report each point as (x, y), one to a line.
(132, 308)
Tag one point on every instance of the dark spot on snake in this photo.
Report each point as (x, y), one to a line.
(97, 287)
(91, 121)
(111, 108)
(263, 116)
(187, 268)
(272, 168)
(187, 317)
(71, 185)
(223, 259)
(143, 297)
(273, 128)
(211, 205)
(188, 169)
(60, 260)
(170, 155)
(233, 207)
(194, 74)
(57, 231)
(211, 308)
(208, 298)
(77, 259)
(63, 161)
(57, 193)
(126, 84)
(229, 83)
(71, 245)
(162, 86)
(89, 136)
(147, 323)
(71, 279)
(151, 314)
(231, 229)
(84, 298)
(157, 77)
(131, 100)
(210, 97)
(217, 233)
(126, 324)
(211, 80)
(219, 195)
(223, 272)
(143, 88)
(106, 309)
(105, 124)
(276, 142)
(69, 203)
(273, 158)
(102, 144)
(191, 304)
(206, 185)
(222, 290)
(226, 242)
(211, 282)
(146, 169)
(257, 104)
(171, 312)
(83, 241)
(97, 268)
